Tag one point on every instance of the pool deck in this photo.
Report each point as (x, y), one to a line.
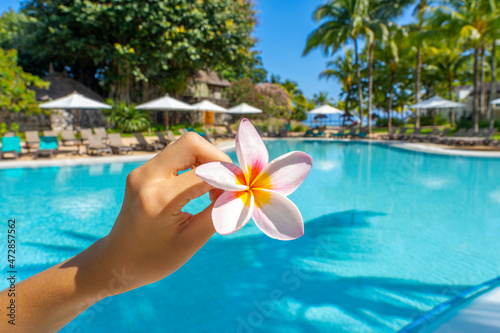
(228, 145)
(481, 315)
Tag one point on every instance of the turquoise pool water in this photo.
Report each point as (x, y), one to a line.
(389, 235)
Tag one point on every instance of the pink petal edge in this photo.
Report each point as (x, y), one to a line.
(250, 149)
(279, 218)
(286, 173)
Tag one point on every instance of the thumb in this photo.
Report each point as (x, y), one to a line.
(200, 228)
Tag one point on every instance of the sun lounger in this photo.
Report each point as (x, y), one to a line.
(401, 134)
(438, 136)
(32, 139)
(68, 137)
(95, 146)
(170, 136)
(456, 138)
(271, 132)
(162, 139)
(283, 133)
(426, 137)
(230, 132)
(360, 133)
(482, 138)
(339, 134)
(413, 136)
(85, 133)
(48, 146)
(444, 139)
(144, 145)
(9, 134)
(49, 133)
(116, 144)
(219, 134)
(390, 134)
(10, 145)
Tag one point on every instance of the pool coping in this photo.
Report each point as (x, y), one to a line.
(437, 316)
(230, 145)
(33, 164)
(404, 145)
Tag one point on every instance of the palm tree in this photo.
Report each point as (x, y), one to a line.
(380, 14)
(388, 54)
(447, 61)
(420, 13)
(343, 20)
(322, 98)
(474, 21)
(343, 70)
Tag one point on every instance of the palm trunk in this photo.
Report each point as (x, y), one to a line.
(453, 115)
(358, 77)
(389, 106)
(370, 85)
(474, 101)
(417, 86)
(483, 84)
(493, 82)
(347, 99)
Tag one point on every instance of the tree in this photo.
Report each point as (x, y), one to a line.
(474, 21)
(275, 100)
(322, 98)
(343, 70)
(388, 54)
(14, 83)
(126, 118)
(447, 60)
(135, 49)
(342, 20)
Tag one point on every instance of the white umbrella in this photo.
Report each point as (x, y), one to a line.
(437, 102)
(206, 105)
(74, 101)
(495, 101)
(326, 109)
(244, 108)
(165, 103)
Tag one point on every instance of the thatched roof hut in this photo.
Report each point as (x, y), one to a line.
(61, 85)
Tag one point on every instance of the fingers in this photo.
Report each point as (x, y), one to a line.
(181, 189)
(190, 150)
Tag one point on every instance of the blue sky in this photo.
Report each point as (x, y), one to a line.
(283, 27)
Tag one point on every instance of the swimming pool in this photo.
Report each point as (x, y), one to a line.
(389, 235)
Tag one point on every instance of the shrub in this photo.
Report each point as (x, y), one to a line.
(428, 120)
(126, 118)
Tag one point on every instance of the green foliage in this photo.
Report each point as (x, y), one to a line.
(383, 122)
(428, 120)
(128, 46)
(14, 83)
(127, 118)
(467, 123)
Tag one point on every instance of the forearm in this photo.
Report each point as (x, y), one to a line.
(49, 300)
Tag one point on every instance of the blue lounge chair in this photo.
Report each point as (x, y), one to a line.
(11, 145)
(191, 129)
(48, 146)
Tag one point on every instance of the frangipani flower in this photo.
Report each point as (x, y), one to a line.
(258, 189)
